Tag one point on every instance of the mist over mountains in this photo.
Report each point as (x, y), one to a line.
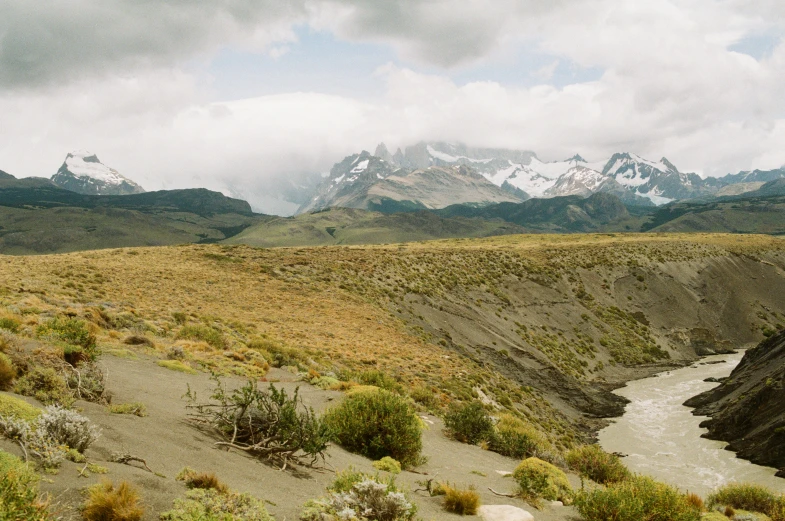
(436, 175)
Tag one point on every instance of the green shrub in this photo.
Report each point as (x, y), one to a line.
(635, 499)
(45, 385)
(9, 323)
(590, 461)
(135, 408)
(203, 333)
(377, 424)
(208, 504)
(539, 479)
(105, 502)
(387, 464)
(464, 502)
(19, 491)
(277, 354)
(14, 408)
(469, 422)
(514, 438)
(7, 372)
(749, 496)
(69, 330)
(377, 379)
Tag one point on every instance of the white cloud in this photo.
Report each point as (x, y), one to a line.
(670, 86)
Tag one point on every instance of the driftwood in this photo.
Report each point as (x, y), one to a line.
(500, 494)
(126, 458)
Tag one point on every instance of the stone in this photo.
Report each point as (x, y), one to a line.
(503, 513)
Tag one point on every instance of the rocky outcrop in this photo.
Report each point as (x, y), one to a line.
(748, 408)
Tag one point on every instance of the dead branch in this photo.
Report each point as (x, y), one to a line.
(126, 458)
(500, 494)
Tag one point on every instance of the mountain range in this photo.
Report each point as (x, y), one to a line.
(435, 175)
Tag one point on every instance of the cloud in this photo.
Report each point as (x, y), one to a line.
(113, 77)
(52, 44)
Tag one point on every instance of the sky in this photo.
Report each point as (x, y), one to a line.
(246, 93)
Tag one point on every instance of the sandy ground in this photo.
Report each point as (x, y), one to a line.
(168, 442)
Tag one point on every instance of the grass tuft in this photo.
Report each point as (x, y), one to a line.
(105, 502)
(464, 502)
(177, 365)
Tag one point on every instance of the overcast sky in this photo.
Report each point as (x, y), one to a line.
(204, 92)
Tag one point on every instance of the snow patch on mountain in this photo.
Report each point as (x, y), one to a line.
(83, 172)
(83, 163)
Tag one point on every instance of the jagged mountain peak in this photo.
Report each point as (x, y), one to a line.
(83, 172)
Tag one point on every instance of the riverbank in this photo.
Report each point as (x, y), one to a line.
(661, 437)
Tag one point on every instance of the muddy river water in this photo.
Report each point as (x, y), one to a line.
(662, 439)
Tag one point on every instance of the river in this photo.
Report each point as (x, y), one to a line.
(662, 439)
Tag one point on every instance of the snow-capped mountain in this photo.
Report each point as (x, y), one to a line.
(84, 173)
(375, 183)
(520, 174)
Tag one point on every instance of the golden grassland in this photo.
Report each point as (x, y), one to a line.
(325, 309)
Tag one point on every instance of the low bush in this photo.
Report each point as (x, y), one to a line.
(387, 464)
(203, 333)
(461, 501)
(205, 480)
(277, 354)
(634, 499)
(69, 330)
(377, 424)
(469, 422)
(105, 502)
(19, 499)
(514, 438)
(135, 408)
(539, 479)
(426, 397)
(268, 424)
(12, 407)
(358, 496)
(46, 385)
(749, 496)
(67, 427)
(7, 372)
(376, 378)
(10, 323)
(209, 504)
(177, 365)
(34, 442)
(590, 461)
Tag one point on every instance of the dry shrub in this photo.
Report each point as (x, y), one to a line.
(461, 501)
(105, 502)
(203, 480)
(7, 372)
(137, 340)
(696, 501)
